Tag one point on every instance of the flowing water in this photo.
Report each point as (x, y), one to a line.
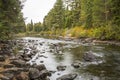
(60, 52)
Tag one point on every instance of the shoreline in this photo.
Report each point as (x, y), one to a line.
(82, 39)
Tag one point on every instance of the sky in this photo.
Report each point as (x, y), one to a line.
(36, 9)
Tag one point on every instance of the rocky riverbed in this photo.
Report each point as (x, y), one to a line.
(33, 58)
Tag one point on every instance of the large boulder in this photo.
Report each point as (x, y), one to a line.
(67, 77)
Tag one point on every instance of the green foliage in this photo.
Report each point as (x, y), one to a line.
(55, 18)
(11, 18)
(97, 18)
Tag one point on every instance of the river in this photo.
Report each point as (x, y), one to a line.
(60, 52)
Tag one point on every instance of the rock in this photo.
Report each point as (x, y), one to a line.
(27, 59)
(51, 71)
(22, 76)
(41, 61)
(75, 65)
(34, 73)
(61, 68)
(14, 70)
(44, 74)
(8, 66)
(4, 78)
(40, 67)
(89, 40)
(42, 56)
(18, 63)
(67, 77)
(9, 76)
(2, 58)
(88, 56)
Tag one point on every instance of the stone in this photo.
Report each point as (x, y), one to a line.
(18, 63)
(88, 56)
(2, 58)
(34, 73)
(61, 68)
(44, 74)
(40, 67)
(41, 61)
(22, 76)
(8, 66)
(9, 75)
(67, 77)
(75, 65)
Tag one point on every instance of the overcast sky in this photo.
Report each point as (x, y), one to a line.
(37, 9)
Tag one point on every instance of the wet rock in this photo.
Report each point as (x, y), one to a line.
(41, 44)
(2, 58)
(34, 73)
(44, 74)
(75, 65)
(41, 61)
(67, 77)
(40, 67)
(26, 50)
(52, 71)
(89, 56)
(42, 56)
(27, 59)
(61, 68)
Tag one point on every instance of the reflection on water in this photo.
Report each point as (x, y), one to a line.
(106, 69)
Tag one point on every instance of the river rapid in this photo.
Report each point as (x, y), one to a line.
(54, 53)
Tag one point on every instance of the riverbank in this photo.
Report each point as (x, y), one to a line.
(81, 39)
(14, 64)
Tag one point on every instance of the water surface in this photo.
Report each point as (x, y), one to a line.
(108, 68)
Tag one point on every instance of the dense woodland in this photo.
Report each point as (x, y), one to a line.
(74, 18)
(11, 18)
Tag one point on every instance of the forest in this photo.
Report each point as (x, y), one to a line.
(73, 18)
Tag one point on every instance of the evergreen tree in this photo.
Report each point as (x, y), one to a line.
(10, 16)
(88, 13)
(55, 18)
(115, 12)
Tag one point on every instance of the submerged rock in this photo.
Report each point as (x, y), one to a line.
(89, 56)
(67, 77)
